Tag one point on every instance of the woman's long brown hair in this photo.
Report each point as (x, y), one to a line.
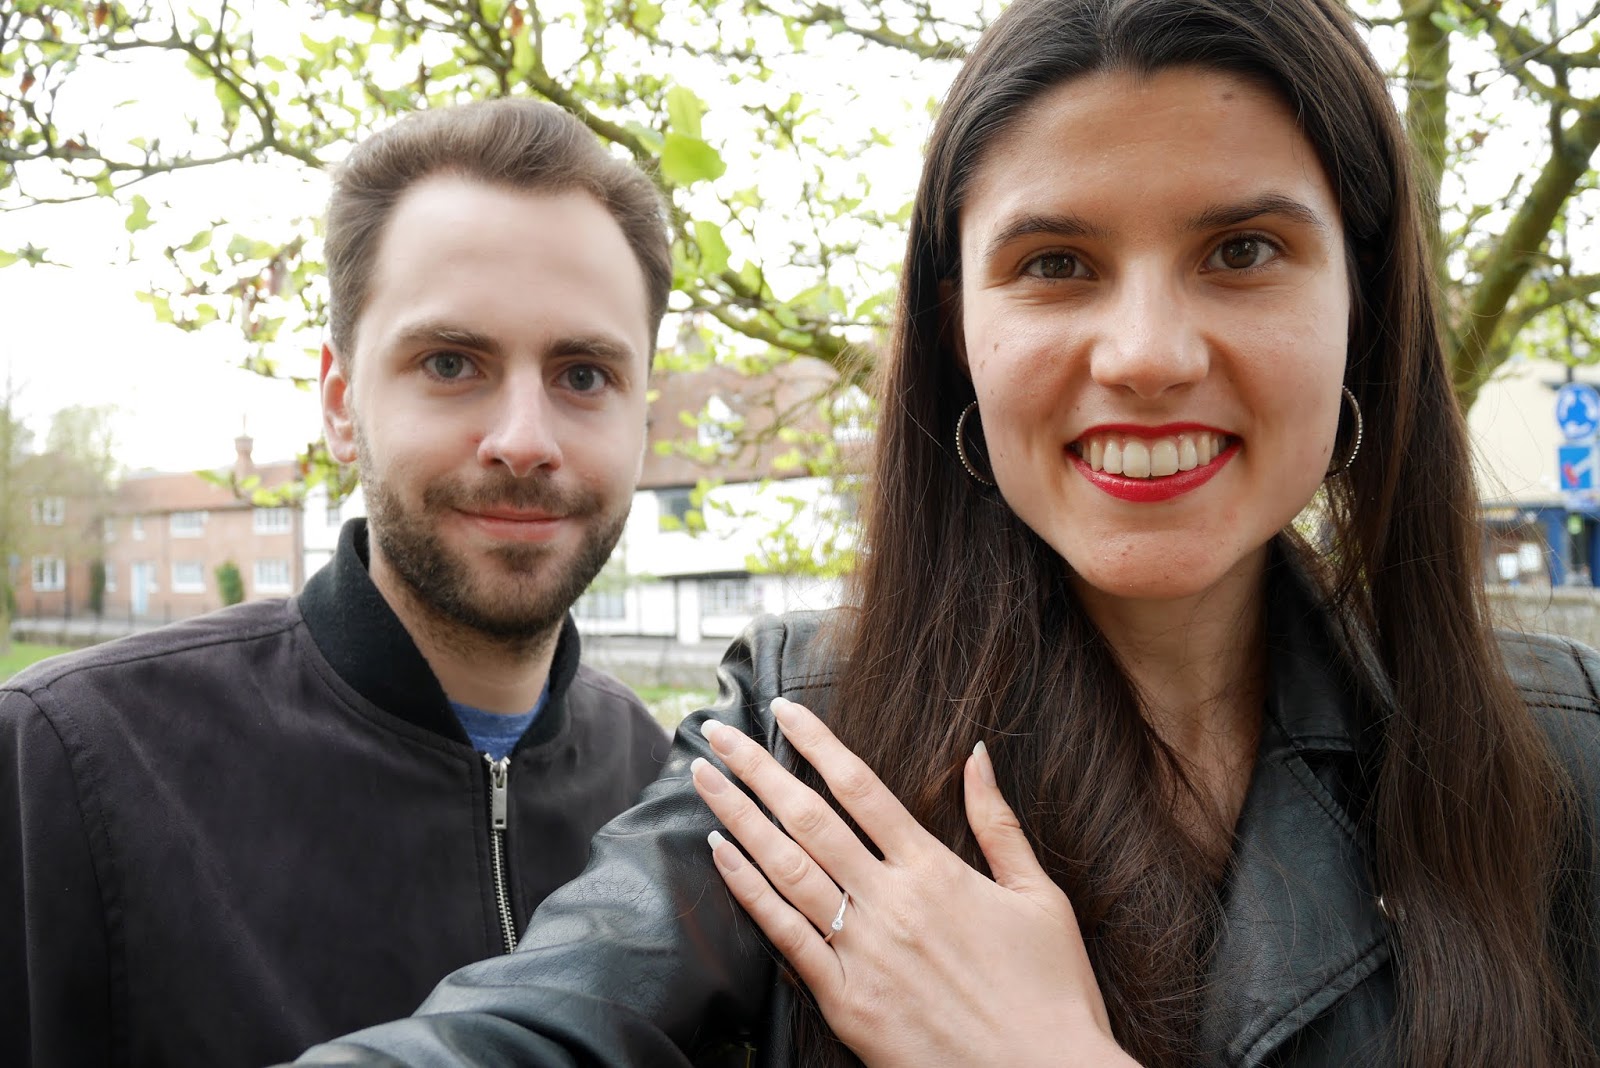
(967, 628)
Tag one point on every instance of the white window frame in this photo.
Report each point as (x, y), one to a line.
(111, 575)
(602, 606)
(263, 583)
(50, 511)
(187, 524)
(714, 597)
(49, 574)
(108, 528)
(179, 585)
(273, 520)
(136, 528)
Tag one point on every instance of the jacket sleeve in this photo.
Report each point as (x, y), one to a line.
(644, 960)
(55, 1001)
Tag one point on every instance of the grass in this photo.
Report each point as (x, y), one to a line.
(22, 654)
(669, 704)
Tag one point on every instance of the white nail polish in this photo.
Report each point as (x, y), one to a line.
(716, 839)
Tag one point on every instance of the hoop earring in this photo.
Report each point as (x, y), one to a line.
(961, 446)
(1355, 447)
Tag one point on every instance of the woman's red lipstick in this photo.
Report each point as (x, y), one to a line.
(1154, 489)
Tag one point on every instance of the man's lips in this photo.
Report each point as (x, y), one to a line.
(514, 524)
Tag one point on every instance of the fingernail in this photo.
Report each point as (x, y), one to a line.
(711, 730)
(985, 766)
(712, 781)
(781, 709)
(727, 859)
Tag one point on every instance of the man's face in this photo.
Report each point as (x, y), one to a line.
(495, 401)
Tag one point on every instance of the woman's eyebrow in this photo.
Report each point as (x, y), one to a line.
(1031, 224)
(1224, 215)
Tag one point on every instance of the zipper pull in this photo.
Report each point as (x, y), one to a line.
(499, 774)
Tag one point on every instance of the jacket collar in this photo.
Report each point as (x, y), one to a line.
(370, 649)
(1300, 925)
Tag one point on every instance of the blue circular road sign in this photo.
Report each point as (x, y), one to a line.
(1578, 410)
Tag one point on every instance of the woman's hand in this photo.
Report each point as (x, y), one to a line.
(927, 961)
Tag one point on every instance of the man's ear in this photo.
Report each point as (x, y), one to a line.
(950, 332)
(338, 420)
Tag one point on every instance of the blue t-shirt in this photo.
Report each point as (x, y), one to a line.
(494, 733)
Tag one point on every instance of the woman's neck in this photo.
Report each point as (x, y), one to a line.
(1199, 668)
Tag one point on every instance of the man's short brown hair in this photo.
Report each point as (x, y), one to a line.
(517, 144)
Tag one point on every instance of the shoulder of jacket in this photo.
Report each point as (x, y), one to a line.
(1551, 671)
(604, 685)
(796, 649)
(203, 635)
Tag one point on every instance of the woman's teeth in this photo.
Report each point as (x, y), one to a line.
(1131, 457)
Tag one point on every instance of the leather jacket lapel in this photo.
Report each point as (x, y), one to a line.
(1300, 922)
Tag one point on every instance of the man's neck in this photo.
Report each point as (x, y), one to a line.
(495, 676)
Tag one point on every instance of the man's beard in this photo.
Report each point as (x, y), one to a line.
(527, 596)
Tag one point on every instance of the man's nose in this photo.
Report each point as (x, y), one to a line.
(522, 431)
(1151, 339)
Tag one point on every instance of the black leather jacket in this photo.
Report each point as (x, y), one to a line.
(645, 960)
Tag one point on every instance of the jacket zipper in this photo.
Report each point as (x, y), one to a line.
(499, 776)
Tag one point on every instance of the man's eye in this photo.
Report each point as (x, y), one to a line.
(1241, 254)
(585, 378)
(448, 365)
(1056, 265)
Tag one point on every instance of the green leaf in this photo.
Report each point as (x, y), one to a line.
(8, 258)
(684, 111)
(713, 250)
(646, 15)
(139, 217)
(686, 160)
(198, 241)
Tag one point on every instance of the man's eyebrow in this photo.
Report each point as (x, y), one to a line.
(1225, 215)
(594, 346)
(1032, 224)
(437, 332)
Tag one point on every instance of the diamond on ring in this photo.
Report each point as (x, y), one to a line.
(838, 919)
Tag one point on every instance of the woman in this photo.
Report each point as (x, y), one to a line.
(1166, 286)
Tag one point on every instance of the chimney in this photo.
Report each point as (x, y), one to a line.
(243, 466)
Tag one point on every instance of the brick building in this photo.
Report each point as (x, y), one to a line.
(166, 534)
(58, 542)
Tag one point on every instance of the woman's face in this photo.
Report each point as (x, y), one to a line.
(1154, 310)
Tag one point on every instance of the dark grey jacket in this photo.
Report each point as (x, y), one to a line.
(644, 961)
(225, 840)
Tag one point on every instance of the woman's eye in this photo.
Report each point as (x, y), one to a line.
(1056, 265)
(1241, 254)
(585, 378)
(448, 365)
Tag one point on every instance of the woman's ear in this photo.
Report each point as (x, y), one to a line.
(951, 334)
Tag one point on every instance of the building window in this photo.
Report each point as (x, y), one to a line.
(188, 524)
(136, 528)
(188, 576)
(602, 604)
(49, 574)
(334, 516)
(675, 506)
(111, 576)
(726, 597)
(50, 511)
(718, 426)
(108, 528)
(272, 576)
(272, 521)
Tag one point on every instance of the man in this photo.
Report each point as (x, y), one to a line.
(231, 838)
